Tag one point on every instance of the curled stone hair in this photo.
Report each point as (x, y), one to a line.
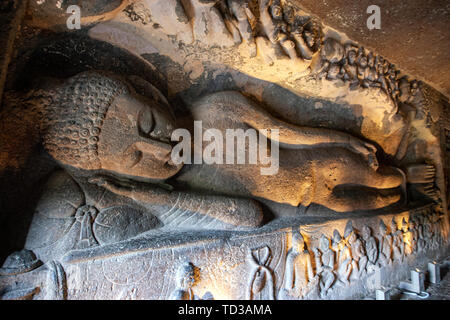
(72, 117)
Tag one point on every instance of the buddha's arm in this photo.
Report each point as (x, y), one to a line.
(293, 136)
(238, 212)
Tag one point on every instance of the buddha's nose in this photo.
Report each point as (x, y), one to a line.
(163, 127)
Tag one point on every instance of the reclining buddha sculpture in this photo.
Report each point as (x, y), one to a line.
(107, 136)
(126, 207)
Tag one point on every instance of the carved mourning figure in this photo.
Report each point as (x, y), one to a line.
(385, 247)
(325, 261)
(427, 232)
(414, 234)
(343, 258)
(437, 227)
(359, 257)
(371, 248)
(398, 246)
(261, 284)
(420, 235)
(299, 272)
(407, 237)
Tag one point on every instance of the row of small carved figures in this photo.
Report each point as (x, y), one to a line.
(350, 63)
(362, 68)
(301, 37)
(353, 257)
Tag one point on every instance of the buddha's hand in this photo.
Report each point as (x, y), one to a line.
(140, 192)
(365, 149)
(118, 187)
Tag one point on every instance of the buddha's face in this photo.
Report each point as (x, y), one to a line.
(134, 141)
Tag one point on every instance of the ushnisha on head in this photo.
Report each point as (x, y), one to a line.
(95, 121)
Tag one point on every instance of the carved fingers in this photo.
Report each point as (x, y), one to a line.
(119, 188)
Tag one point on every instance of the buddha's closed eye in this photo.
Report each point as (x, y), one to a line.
(133, 158)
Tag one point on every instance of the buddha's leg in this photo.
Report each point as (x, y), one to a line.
(345, 169)
(346, 184)
(348, 202)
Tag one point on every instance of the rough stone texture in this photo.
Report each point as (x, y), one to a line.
(11, 15)
(415, 35)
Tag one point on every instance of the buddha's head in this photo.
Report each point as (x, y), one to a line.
(97, 122)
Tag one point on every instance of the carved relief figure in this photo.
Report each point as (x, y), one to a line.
(385, 248)
(371, 249)
(398, 247)
(407, 237)
(242, 17)
(359, 258)
(343, 258)
(427, 232)
(420, 234)
(436, 227)
(414, 234)
(208, 24)
(261, 285)
(299, 272)
(325, 260)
